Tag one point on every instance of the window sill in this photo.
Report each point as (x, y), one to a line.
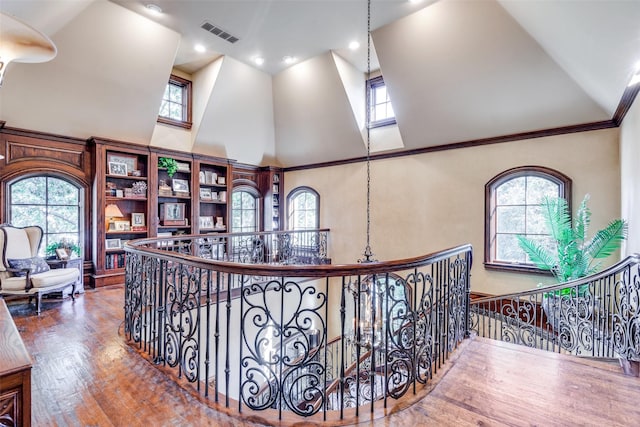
(176, 123)
(516, 268)
(381, 123)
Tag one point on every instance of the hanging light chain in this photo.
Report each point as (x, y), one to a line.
(368, 254)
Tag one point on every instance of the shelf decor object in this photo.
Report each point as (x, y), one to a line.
(110, 212)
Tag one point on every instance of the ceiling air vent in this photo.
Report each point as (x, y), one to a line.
(217, 31)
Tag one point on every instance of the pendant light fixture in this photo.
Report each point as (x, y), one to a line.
(21, 43)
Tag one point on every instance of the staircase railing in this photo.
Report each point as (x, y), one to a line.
(595, 316)
(270, 353)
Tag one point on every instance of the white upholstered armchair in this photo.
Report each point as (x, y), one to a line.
(22, 272)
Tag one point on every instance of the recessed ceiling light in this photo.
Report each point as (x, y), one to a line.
(200, 48)
(354, 45)
(289, 59)
(154, 8)
(415, 1)
(258, 60)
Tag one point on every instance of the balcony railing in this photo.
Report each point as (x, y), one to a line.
(596, 316)
(319, 342)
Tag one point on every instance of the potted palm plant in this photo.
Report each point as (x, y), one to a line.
(571, 255)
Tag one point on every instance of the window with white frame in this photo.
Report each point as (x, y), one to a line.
(513, 207)
(380, 108)
(303, 204)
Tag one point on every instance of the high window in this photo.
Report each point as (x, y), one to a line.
(175, 108)
(512, 208)
(244, 211)
(380, 108)
(53, 203)
(303, 205)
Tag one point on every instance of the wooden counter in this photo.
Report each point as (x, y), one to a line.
(15, 373)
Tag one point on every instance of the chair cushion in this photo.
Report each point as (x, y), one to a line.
(55, 278)
(35, 264)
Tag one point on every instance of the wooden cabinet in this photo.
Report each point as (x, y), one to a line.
(121, 206)
(15, 374)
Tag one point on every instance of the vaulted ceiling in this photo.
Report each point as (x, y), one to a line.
(456, 70)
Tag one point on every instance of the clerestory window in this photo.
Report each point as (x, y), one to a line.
(175, 108)
(380, 108)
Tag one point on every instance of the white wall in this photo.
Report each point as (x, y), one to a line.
(630, 176)
(428, 202)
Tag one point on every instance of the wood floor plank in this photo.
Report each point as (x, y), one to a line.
(85, 374)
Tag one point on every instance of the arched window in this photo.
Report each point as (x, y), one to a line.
(244, 210)
(53, 203)
(512, 208)
(303, 204)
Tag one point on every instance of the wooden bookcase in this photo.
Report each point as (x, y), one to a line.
(172, 211)
(167, 205)
(122, 182)
(272, 187)
(212, 209)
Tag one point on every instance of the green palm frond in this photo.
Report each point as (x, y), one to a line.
(573, 256)
(608, 240)
(537, 254)
(582, 221)
(556, 213)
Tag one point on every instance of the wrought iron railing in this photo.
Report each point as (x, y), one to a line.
(314, 341)
(596, 316)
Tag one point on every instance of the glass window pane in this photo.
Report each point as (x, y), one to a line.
(511, 192)
(175, 94)
(535, 220)
(61, 192)
(510, 219)
(29, 191)
(381, 94)
(175, 111)
(380, 112)
(25, 215)
(538, 188)
(164, 109)
(62, 219)
(390, 112)
(508, 249)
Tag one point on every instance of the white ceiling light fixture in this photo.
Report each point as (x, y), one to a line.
(289, 59)
(258, 60)
(21, 43)
(354, 45)
(200, 48)
(154, 9)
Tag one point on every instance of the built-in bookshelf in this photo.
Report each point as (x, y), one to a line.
(138, 194)
(272, 188)
(121, 206)
(212, 196)
(173, 180)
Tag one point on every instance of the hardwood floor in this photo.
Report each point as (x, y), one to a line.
(84, 374)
